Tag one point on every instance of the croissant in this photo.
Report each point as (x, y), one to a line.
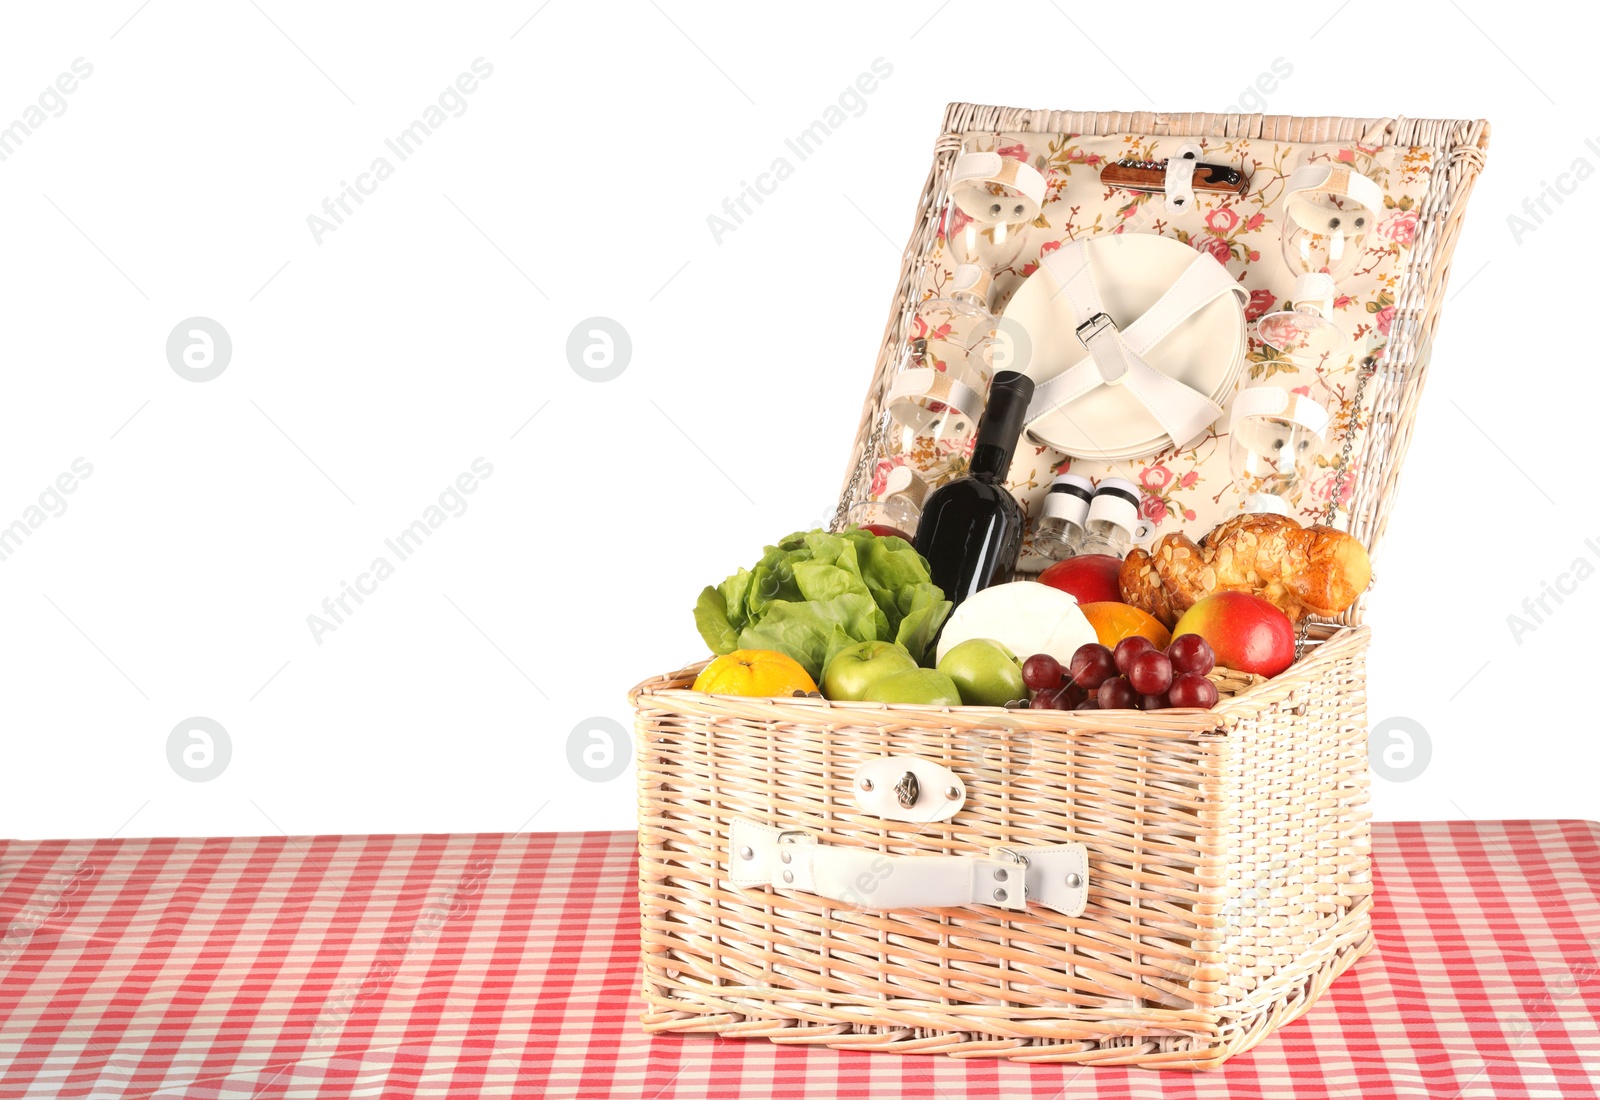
(1300, 570)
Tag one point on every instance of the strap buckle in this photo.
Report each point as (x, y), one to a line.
(1094, 326)
(1090, 331)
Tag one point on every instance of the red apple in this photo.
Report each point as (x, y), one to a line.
(1090, 577)
(1246, 632)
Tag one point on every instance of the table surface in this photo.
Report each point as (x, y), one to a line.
(494, 965)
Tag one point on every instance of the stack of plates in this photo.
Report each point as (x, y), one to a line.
(1038, 336)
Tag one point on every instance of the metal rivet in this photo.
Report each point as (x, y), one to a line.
(999, 895)
(788, 876)
(866, 784)
(746, 853)
(952, 793)
(1074, 881)
(787, 857)
(1000, 874)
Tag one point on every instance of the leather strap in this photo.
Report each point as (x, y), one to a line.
(914, 390)
(1056, 877)
(1316, 289)
(1179, 184)
(973, 280)
(1116, 356)
(1333, 179)
(1281, 404)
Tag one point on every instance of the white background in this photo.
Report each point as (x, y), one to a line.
(372, 368)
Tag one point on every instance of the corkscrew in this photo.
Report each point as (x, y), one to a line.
(1134, 174)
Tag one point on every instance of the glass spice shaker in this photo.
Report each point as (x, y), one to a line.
(1113, 523)
(1060, 530)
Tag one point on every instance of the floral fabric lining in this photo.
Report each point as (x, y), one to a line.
(1193, 488)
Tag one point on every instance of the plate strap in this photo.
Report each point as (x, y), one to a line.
(1116, 356)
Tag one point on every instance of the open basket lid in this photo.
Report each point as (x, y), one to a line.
(1134, 342)
(1427, 169)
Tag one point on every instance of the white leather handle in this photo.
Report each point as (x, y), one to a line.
(1056, 877)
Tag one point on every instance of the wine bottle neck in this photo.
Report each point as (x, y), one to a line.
(1000, 425)
(990, 461)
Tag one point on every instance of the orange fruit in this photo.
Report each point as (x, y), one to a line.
(759, 672)
(1113, 622)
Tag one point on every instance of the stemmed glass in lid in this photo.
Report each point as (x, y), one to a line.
(941, 385)
(1275, 431)
(993, 199)
(1328, 212)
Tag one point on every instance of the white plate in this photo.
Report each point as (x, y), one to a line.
(1131, 271)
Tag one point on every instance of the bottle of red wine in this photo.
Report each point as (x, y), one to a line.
(971, 530)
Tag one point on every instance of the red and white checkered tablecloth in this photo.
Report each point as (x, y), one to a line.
(492, 965)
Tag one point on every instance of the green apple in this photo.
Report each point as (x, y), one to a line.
(853, 671)
(918, 685)
(985, 672)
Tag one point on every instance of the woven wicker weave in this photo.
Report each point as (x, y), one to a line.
(1228, 850)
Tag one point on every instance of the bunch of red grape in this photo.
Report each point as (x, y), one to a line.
(1134, 676)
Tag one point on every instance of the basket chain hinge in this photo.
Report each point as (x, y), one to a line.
(1366, 370)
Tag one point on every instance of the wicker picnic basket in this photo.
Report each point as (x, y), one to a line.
(1228, 874)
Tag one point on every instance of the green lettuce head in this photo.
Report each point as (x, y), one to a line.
(815, 593)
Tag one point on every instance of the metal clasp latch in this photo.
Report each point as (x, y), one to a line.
(907, 790)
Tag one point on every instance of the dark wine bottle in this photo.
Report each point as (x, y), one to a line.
(971, 530)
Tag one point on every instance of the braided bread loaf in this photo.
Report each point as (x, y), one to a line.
(1300, 570)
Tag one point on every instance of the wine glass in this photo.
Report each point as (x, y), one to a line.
(897, 510)
(942, 383)
(993, 199)
(1328, 211)
(1275, 432)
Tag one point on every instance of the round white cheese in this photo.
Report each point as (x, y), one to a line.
(1025, 616)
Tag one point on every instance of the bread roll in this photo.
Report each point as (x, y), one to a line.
(1301, 570)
